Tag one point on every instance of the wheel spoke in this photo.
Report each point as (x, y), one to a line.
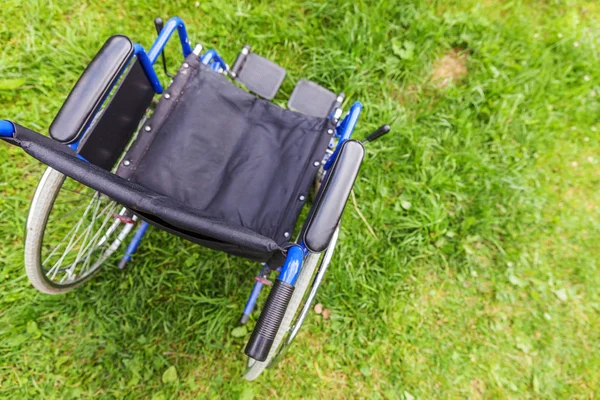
(93, 246)
(112, 228)
(70, 245)
(73, 229)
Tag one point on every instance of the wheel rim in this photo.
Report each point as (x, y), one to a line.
(322, 261)
(82, 230)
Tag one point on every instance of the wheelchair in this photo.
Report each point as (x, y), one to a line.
(211, 160)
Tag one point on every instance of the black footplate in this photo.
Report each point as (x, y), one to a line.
(312, 99)
(259, 75)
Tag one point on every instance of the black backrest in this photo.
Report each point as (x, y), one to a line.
(108, 136)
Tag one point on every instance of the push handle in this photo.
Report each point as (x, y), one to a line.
(381, 131)
(266, 328)
(159, 24)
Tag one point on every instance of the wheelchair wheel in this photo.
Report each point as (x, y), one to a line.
(291, 323)
(71, 231)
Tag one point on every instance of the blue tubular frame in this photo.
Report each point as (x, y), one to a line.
(7, 129)
(133, 245)
(256, 289)
(217, 62)
(165, 35)
(344, 130)
(146, 63)
(291, 269)
(289, 274)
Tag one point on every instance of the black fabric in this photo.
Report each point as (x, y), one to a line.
(105, 141)
(159, 210)
(228, 154)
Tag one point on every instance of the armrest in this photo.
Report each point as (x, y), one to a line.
(91, 89)
(327, 211)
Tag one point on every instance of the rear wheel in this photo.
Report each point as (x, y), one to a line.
(71, 231)
(297, 309)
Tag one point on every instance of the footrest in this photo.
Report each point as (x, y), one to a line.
(312, 99)
(261, 76)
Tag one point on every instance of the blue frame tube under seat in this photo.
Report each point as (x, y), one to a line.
(133, 245)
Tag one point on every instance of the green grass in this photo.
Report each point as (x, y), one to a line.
(484, 280)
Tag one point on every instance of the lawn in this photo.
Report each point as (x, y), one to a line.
(481, 276)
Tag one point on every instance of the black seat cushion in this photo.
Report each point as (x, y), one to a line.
(228, 154)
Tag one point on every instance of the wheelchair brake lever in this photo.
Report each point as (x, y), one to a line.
(159, 25)
(381, 131)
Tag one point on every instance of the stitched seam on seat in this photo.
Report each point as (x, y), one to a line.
(290, 208)
(172, 102)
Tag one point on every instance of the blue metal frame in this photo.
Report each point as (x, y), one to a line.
(256, 289)
(344, 130)
(133, 245)
(146, 63)
(7, 129)
(291, 268)
(165, 35)
(212, 58)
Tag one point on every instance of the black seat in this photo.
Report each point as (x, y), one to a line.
(228, 154)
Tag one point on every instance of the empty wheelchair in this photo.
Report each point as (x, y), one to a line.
(211, 160)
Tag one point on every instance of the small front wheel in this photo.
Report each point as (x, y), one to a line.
(71, 231)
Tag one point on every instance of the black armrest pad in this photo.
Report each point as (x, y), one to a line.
(91, 89)
(331, 199)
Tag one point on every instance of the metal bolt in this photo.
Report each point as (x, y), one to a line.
(330, 131)
(186, 65)
(147, 128)
(167, 96)
(316, 163)
(126, 163)
(301, 198)
(337, 114)
(197, 49)
(286, 235)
